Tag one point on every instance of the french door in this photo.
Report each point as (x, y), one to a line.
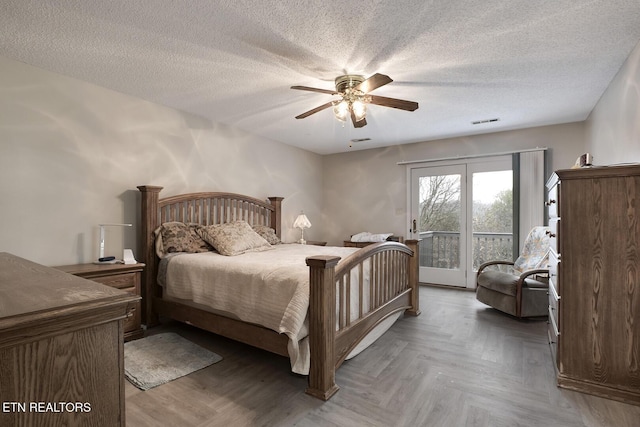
(439, 202)
(463, 215)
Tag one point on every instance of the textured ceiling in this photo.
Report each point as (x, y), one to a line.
(528, 63)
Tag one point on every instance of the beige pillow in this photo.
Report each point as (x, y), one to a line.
(233, 238)
(177, 236)
(267, 233)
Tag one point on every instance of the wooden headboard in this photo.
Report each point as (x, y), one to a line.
(205, 208)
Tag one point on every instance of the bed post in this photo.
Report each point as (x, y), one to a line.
(414, 262)
(322, 326)
(276, 217)
(149, 222)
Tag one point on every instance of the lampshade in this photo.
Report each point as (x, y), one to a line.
(302, 222)
(359, 109)
(341, 110)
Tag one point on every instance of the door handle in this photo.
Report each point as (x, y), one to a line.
(414, 226)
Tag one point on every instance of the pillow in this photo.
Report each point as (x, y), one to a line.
(365, 236)
(382, 237)
(233, 238)
(177, 236)
(267, 233)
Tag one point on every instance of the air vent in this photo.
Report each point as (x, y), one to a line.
(358, 140)
(479, 122)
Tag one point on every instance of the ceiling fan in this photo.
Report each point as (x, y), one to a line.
(354, 97)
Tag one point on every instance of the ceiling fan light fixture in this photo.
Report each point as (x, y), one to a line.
(359, 109)
(341, 110)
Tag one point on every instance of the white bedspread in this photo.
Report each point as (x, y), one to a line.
(269, 288)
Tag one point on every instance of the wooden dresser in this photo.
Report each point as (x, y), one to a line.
(121, 276)
(61, 347)
(594, 292)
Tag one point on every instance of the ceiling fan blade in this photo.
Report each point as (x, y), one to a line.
(315, 89)
(358, 124)
(373, 82)
(315, 110)
(394, 103)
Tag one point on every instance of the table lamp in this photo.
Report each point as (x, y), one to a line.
(106, 259)
(302, 222)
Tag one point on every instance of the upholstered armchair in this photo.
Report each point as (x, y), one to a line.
(518, 288)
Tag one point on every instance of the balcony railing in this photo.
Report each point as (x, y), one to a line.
(441, 249)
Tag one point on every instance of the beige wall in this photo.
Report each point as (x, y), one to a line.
(72, 154)
(366, 190)
(613, 128)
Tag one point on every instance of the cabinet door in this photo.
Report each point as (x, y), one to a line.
(82, 367)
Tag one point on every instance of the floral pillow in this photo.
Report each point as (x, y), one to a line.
(233, 238)
(177, 236)
(267, 233)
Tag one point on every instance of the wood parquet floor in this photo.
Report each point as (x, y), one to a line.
(459, 363)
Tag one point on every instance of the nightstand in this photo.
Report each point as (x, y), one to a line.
(126, 277)
(350, 244)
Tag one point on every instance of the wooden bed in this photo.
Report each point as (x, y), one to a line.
(393, 270)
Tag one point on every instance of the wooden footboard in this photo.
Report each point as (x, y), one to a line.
(334, 331)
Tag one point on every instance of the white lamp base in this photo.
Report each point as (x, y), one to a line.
(127, 257)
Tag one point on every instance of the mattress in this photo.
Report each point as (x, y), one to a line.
(269, 288)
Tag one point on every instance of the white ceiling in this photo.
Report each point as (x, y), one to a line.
(528, 63)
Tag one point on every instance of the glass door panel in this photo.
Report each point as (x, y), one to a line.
(492, 211)
(439, 195)
(490, 216)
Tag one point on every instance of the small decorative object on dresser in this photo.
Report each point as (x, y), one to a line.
(594, 285)
(121, 276)
(61, 347)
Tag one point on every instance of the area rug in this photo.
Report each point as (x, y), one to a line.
(158, 359)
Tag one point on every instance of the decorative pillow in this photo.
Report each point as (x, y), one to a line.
(267, 233)
(177, 236)
(233, 238)
(199, 244)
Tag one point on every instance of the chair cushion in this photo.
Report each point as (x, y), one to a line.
(498, 281)
(505, 283)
